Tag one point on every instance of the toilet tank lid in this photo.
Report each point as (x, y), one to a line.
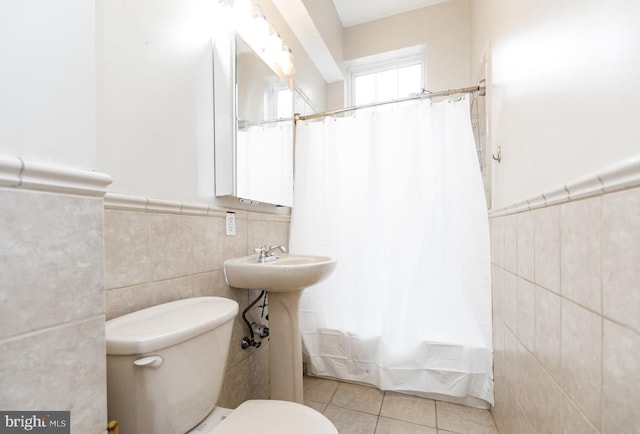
(167, 324)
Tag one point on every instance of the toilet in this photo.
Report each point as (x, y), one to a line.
(165, 366)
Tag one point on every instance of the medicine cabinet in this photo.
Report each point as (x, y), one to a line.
(253, 110)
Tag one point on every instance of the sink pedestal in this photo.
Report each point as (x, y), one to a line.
(285, 344)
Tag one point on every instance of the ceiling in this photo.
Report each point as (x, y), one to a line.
(350, 12)
(354, 12)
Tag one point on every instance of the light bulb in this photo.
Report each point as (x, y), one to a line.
(242, 9)
(286, 60)
(273, 44)
(260, 29)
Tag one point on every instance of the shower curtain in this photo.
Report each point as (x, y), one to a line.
(396, 197)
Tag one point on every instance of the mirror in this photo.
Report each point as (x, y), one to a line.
(253, 126)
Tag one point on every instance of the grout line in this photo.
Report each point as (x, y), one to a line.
(333, 394)
(602, 373)
(435, 408)
(50, 328)
(375, 428)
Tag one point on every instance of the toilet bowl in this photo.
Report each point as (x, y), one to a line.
(165, 366)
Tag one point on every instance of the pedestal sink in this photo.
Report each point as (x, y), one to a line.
(284, 279)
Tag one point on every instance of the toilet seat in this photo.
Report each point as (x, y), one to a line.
(274, 417)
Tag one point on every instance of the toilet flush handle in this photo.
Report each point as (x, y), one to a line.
(149, 361)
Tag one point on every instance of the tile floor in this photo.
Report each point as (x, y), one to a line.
(356, 409)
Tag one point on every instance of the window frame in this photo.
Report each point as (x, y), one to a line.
(377, 65)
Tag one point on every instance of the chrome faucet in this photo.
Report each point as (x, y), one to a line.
(268, 254)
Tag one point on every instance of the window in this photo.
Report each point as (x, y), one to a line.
(387, 85)
(285, 104)
(385, 81)
(278, 101)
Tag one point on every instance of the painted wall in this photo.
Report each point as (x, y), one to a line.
(47, 81)
(327, 21)
(564, 89)
(443, 28)
(154, 90)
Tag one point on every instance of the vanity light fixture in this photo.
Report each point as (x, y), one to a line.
(251, 23)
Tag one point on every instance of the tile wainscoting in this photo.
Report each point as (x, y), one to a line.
(566, 306)
(65, 247)
(158, 251)
(51, 293)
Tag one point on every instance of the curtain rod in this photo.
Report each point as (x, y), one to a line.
(246, 124)
(480, 89)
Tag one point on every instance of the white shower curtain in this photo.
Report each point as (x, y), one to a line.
(396, 197)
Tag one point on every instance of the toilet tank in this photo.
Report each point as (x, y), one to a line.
(165, 364)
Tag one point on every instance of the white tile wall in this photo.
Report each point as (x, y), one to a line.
(581, 252)
(548, 331)
(621, 377)
(58, 368)
(525, 244)
(169, 252)
(547, 247)
(566, 300)
(52, 306)
(621, 257)
(581, 359)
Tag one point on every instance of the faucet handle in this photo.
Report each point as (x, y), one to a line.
(262, 251)
(283, 249)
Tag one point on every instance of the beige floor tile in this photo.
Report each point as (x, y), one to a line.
(358, 409)
(409, 408)
(393, 426)
(350, 421)
(319, 389)
(359, 398)
(464, 420)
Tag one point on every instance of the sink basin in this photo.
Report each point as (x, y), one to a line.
(285, 274)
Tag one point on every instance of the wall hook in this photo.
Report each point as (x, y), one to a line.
(497, 155)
